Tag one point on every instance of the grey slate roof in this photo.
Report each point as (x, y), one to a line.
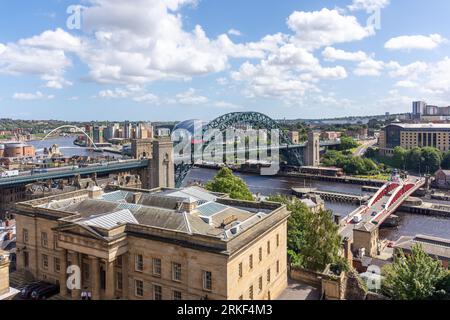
(110, 220)
(433, 246)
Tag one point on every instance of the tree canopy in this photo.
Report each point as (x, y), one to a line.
(226, 182)
(348, 143)
(350, 163)
(416, 276)
(313, 239)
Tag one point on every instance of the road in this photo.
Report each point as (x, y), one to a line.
(366, 144)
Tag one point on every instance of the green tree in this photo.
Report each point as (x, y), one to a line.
(414, 159)
(399, 158)
(313, 238)
(432, 159)
(348, 143)
(226, 182)
(413, 277)
(446, 161)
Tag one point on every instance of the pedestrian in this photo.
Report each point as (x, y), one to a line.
(89, 295)
(83, 295)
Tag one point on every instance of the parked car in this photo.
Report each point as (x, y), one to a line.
(45, 292)
(25, 292)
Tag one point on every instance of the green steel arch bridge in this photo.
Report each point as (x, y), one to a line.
(292, 154)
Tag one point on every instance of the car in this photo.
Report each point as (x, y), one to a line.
(357, 218)
(44, 292)
(25, 292)
(374, 213)
(390, 244)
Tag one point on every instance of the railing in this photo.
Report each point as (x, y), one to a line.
(75, 171)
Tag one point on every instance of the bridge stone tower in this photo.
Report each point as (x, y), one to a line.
(312, 154)
(161, 170)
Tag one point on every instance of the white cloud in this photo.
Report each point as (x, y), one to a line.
(190, 97)
(326, 27)
(32, 96)
(406, 84)
(58, 39)
(226, 105)
(415, 42)
(368, 5)
(332, 54)
(369, 67)
(234, 32)
(147, 98)
(411, 71)
(437, 81)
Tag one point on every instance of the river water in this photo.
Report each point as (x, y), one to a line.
(410, 224)
(67, 147)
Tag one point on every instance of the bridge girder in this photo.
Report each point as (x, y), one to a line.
(294, 156)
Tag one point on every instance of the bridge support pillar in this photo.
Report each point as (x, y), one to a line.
(366, 238)
(161, 169)
(312, 154)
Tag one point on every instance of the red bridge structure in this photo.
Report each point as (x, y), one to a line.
(362, 225)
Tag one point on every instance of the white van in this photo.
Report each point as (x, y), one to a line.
(357, 218)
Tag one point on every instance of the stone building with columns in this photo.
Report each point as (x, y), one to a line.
(154, 244)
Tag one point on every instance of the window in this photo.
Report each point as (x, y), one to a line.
(119, 262)
(268, 275)
(278, 266)
(157, 267)
(55, 241)
(26, 259)
(177, 295)
(139, 288)
(250, 261)
(119, 281)
(139, 263)
(250, 293)
(260, 254)
(176, 271)
(45, 261)
(57, 265)
(44, 239)
(86, 271)
(278, 240)
(268, 247)
(25, 235)
(240, 270)
(157, 292)
(207, 280)
(260, 283)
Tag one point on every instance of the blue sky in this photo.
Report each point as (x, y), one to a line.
(180, 59)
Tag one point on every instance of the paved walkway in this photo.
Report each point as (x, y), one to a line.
(299, 291)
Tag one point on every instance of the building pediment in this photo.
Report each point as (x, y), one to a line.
(80, 230)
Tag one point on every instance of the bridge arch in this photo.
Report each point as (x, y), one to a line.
(256, 119)
(226, 121)
(80, 130)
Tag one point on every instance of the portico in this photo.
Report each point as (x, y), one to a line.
(100, 259)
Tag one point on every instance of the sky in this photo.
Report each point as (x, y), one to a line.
(164, 60)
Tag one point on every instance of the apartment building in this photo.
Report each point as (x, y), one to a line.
(155, 244)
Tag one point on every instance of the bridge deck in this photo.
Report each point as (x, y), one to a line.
(60, 173)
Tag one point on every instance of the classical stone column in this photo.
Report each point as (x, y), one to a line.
(110, 285)
(63, 273)
(125, 281)
(95, 277)
(76, 293)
